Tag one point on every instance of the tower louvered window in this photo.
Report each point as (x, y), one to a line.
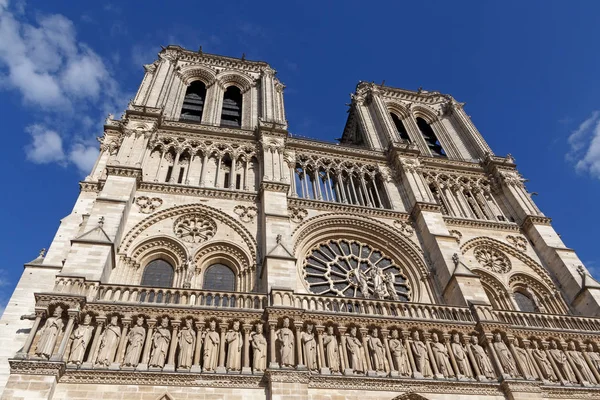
(400, 128)
(231, 114)
(193, 103)
(430, 138)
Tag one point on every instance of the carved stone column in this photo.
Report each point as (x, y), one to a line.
(556, 369)
(344, 354)
(27, 346)
(495, 360)
(221, 367)
(436, 372)
(198, 349)
(170, 366)
(300, 363)
(320, 352)
(91, 358)
(66, 336)
(411, 357)
(476, 371)
(539, 374)
(591, 365)
(511, 347)
(392, 370)
(562, 346)
(246, 368)
(457, 373)
(143, 366)
(122, 344)
(363, 334)
(272, 353)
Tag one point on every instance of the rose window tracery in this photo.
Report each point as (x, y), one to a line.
(194, 228)
(351, 269)
(492, 259)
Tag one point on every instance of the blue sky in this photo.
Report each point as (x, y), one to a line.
(526, 69)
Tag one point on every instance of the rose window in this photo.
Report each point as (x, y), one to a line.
(351, 269)
(194, 228)
(492, 259)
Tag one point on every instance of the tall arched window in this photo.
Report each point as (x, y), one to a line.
(524, 302)
(193, 103)
(158, 273)
(231, 114)
(219, 277)
(432, 141)
(400, 128)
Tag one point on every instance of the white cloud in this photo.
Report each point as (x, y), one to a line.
(584, 144)
(46, 146)
(83, 157)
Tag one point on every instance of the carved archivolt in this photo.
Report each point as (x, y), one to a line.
(228, 78)
(196, 72)
(227, 253)
(406, 255)
(158, 247)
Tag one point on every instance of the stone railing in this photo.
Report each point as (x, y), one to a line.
(75, 286)
(180, 297)
(372, 307)
(545, 321)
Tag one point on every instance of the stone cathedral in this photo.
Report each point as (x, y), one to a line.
(211, 254)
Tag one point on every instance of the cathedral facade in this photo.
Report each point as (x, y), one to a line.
(211, 254)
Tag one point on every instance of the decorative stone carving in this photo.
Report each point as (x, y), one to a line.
(457, 235)
(80, 338)
(539, 355)
(461, 357)
(376, 351)
(147, 205)
(492, 259)
(297, 214)
(135, 343)
(352, 269)
(441, 357)
(246, 213)
(593, 356)
(504, 357)
(194, 228)
(309, 345)
(332, 353)
(109, 342)
(399, 355)
(49, 334)
(285, 337)
(421, 355)
(160, 344)
(259, 350)
(186, 338)
(518, 242)
(481, 358)
(562, 363)
(211, 348)
(233, 339)
(579, 362)
(355, 352)
(524, 360)
(405, 228)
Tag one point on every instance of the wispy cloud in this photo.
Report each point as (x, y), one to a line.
(584, 146)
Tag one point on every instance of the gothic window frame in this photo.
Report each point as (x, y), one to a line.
(203, 113)
(151, 264)
(225, 265)
(242, 100)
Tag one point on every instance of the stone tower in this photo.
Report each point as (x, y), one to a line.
(212, 254)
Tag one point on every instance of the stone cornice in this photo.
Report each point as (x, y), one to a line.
(332, 149)
(190, 128)
(271, 186)
(156, 187)
(35, 367)
(91, 186)
(130, 172)
(215, 60)
(419, 207)
(347, 208)
(481, 224)
(532, 220)
(437, 163)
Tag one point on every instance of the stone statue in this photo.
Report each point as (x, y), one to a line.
(190, 270)
(461, 357)
(580, 363)
(160, 344)
(259, 350)
(506, 359)
(421, 355)
(524, 360)
(332, 352)
(379, 287)
(441, 357)
(211, 347)
(49, 334)
(309, 345)
(561, 362)
(234, 341)
(481, 358)
(355, 349)
(135, 343)
(80, 340)
(399, 354)
(389, 280)
(109, 342)
(376, 350)
(285, 337)
(186, 338)
(361, 279)
(594, 357)
(539, 355)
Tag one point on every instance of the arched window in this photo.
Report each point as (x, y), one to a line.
(525, 303)
(432, 141)
(193, 103)
(400, 128)
(219, 277)
(158, 273)
(231, 115)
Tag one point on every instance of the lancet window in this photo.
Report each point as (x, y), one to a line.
(346, 183)
(464, 197)
(430, 138)
(158, 273)
(400, 128)
(193, 103)
(231, 114)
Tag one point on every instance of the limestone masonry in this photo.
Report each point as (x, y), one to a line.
(211, 254)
